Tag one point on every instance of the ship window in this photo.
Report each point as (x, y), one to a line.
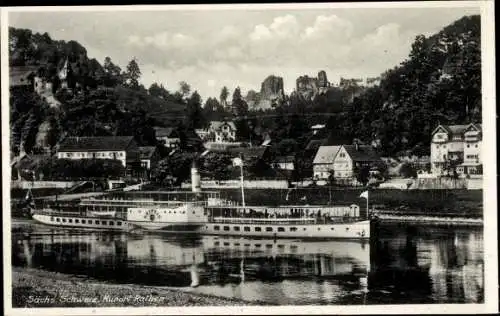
(104, 223)
(64, 220)
(281, 229)
(236, 228)
(70, 220)
(332, 228)
(216, 227)
(58, 219)
(97, 222)
(269, 229)
(258, 229)
(236, 243)
(293, 229)
(246, 228)
(247, 245)
(51, 219)
(111, 223)
(257, 245)
(226, 228)
(304, 228)
(90, 221)
(83, 221)
(347, 228)
(319, 228)
(216, 243)
(77, 221)
(269, 246)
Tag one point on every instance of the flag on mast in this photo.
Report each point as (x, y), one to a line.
(237, 162)
(364, 195)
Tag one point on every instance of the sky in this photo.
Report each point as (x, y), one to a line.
(231, 47)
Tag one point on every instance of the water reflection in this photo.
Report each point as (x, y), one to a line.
(402, 264)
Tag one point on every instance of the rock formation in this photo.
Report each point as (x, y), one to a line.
(310, 87)
(271, 93)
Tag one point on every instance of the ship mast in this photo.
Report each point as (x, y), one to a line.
(240, 162)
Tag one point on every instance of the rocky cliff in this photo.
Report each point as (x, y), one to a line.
(271, 93)
(310, 87)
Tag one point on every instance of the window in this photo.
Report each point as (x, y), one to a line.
(97, 222)
(216, 243)
(332, 228)
(258, 229)
(58, 219)
(246, 228)
(70, 220)
(475, 146)
(269, 246)
(216, 227)
(90, 221)
(51, 218)
(119, 223)
(226, 228)
(68, 155)
(77, 221)
(257, 245)
(64, 220)
(236, 228)
(104, 223)
(84, 221)
(468, 146)
(293, 229)
(226, 243)
(281, 229)
(111, 223)
(269, 229)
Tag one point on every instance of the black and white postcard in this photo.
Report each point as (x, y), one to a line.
(249, 159)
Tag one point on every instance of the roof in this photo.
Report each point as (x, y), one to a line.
(19, 76)
(99, 143)
(315, 143)
(146, 152)
(362, 153)
(216, 125)
(457, 129)
(165, 131)
(289, 158)
(29, 161)
(247, 152)
(326, 154)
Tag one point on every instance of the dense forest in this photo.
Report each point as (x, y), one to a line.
(439, 82)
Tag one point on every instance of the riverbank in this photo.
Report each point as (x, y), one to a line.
(39, 288)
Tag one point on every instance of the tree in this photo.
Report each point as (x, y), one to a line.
(224, 93)
(194, 113)
(407, 171)
(133, 74)
(239, 106)
(184, 89)
(362, 174)
(112, 73)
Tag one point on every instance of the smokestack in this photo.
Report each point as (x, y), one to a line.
(195, 178)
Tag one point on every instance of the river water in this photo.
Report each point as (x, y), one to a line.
(402, 263)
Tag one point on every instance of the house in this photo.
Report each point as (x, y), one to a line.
(169, 136)
(24, 167)
(122, 148)
(149, 157)
(350, 157)
(22, 77)
(456, 147)
(323, 162)
(284, 163)
(222, 131)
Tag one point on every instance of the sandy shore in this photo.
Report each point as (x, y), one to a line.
(39, 288)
